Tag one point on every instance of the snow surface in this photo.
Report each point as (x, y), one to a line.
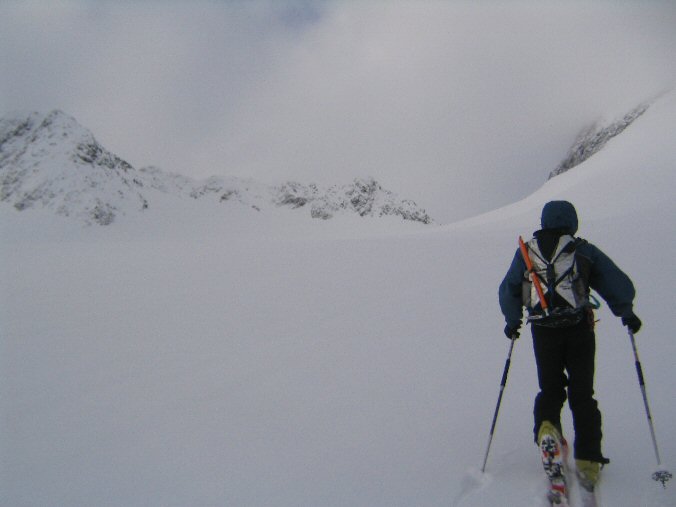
(201, 360)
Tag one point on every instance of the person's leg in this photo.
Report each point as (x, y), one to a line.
(580, 355)
(548, 346)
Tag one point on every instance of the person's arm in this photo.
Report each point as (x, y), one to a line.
(509, 293)
(612, 284)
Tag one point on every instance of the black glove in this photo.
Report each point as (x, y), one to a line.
(632, 322)
(512, 332)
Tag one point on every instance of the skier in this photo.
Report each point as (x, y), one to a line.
(563, 329)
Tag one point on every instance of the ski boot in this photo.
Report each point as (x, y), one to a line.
(588, 473)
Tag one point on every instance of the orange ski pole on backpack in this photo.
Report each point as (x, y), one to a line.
(533, 276)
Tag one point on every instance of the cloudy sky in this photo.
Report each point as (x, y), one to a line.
(462, 106)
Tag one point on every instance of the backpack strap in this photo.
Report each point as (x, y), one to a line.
(568, 247)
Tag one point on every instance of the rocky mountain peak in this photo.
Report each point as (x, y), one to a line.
(592, 139)
(51, 161)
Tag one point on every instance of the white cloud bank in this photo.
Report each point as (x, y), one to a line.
(462, 106)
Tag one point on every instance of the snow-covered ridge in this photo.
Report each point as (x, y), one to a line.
(53, 162)
(592, 139)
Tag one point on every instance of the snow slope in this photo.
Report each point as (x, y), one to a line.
(288, 362)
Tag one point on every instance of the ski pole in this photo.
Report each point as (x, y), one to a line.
(533, 275)
(503, 383)
(660, 475)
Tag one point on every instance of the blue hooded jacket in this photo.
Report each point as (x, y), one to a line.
(609, 281)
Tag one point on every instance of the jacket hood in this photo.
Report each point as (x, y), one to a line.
(559, 215)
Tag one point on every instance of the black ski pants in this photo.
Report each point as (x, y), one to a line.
(565, 364)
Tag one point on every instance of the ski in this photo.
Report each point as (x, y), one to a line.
(553, 454)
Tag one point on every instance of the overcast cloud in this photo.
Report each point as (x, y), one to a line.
(462, 106)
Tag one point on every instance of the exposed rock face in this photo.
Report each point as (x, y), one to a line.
(364, 197)
(592, 140)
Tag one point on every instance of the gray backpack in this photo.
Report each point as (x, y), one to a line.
(564, 282)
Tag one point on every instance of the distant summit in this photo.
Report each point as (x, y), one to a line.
(51, 161)
(592, 140)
